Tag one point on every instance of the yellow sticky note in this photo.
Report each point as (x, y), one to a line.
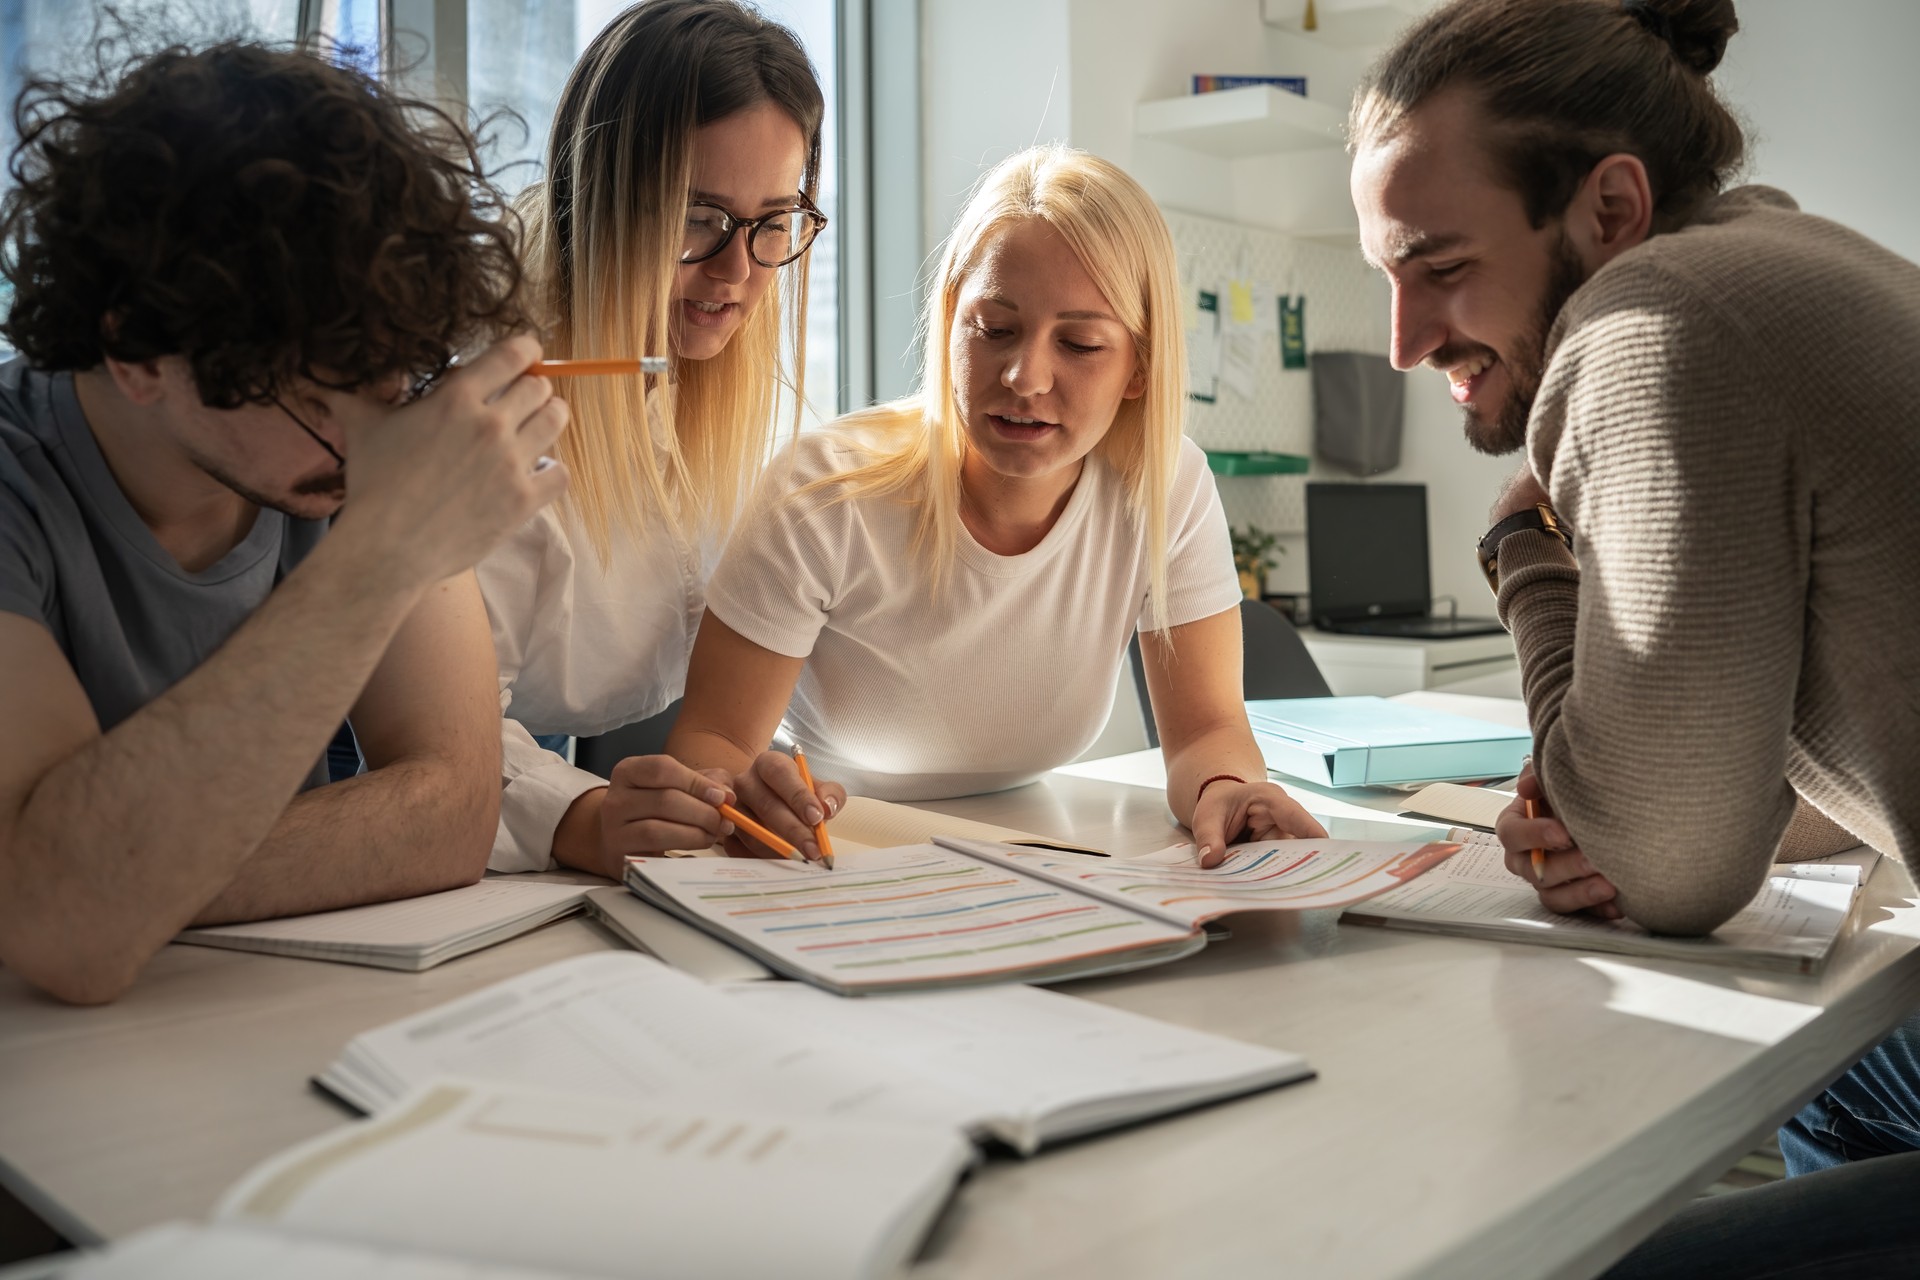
(1240, 301)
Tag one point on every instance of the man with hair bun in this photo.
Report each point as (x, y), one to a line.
(1707, 562)
(232, 269)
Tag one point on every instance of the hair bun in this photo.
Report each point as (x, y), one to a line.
(1696, 30)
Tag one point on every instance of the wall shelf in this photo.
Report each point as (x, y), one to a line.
(1223, 462)
(1350, 24)
(1258, 120)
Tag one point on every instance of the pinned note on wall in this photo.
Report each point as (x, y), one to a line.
(1203, 348)
(1293, 331)
(1240, 302)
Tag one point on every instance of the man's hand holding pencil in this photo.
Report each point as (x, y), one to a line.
(1540, 851)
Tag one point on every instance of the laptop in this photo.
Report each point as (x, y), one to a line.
(1367, 564)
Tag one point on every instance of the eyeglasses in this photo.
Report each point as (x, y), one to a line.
(332, 452)
(773, 240)
(419, 385)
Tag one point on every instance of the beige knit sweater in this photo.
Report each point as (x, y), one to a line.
(1730, 421)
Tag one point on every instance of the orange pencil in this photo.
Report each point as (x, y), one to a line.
(759, 832)
(1539, 855)
(820, 827)
(587, 368)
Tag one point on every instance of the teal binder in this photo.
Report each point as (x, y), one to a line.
(1360, 742)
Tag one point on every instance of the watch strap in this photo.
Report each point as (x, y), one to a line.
(1539, 516)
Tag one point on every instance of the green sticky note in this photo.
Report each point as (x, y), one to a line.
(1293, 332)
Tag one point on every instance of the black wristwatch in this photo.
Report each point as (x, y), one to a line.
(1539, 516)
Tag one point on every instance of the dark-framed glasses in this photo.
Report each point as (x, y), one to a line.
(318, 439)
(773, 239)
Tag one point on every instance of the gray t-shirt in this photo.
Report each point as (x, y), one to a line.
(76, 557)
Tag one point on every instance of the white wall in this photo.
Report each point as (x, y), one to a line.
(1831, 96)
(996, 79)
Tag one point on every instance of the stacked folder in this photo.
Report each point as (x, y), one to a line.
(1372, 742)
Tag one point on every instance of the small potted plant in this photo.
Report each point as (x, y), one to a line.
(1252, 547)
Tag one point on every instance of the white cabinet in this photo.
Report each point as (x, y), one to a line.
(1385, 665)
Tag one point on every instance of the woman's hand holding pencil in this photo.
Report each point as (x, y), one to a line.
(1540, 851)
(786, 806)
(655, 804)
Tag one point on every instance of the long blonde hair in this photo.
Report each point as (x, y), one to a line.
(1117, 232)
(603, 245)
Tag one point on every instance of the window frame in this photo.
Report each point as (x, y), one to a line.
(877, 76)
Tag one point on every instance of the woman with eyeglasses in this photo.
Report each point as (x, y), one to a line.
(675, 219)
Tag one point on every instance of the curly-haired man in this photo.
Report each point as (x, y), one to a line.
(230, 269)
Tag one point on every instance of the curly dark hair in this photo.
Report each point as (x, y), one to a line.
(259, 211)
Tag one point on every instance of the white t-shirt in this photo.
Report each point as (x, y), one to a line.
(583, 648)
(1006, 673)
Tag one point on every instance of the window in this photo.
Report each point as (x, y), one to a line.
(502, 54)
(55, 37)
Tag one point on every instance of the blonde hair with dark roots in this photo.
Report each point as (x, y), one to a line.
(602, 249)
(1115, 229)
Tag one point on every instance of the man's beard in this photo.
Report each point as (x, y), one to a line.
(329, 488)
(1526, 364)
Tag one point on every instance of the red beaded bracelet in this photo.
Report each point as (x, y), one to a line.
(1218, 777)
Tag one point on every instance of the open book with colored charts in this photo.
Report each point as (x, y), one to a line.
(958, 912)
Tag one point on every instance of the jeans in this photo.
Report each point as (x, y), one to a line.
(343, 755)
(1872, 1110)
(1850, 1209)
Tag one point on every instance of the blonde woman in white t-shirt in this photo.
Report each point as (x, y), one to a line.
(675, 217)
(946, 585)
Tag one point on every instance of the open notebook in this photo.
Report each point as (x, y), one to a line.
(960, 912)
(1015, 1064)
(1791, 924)
(413, 933)
(495, 1181)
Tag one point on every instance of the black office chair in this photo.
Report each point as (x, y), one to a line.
(641, 738)
(1274, 659)
(1274, 663)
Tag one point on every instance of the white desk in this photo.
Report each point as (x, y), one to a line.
(1483, 1110)
(1386, 665)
